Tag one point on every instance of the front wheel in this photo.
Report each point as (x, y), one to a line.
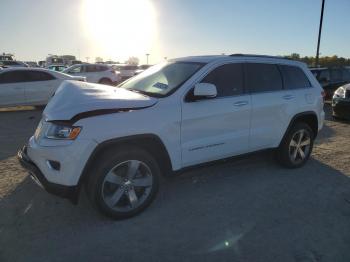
(124, 182)
(296, 147)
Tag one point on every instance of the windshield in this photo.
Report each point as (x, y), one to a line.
(162, 79)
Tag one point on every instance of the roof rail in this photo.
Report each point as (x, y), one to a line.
(265, 56)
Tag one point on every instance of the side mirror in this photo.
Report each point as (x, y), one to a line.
(204, 90)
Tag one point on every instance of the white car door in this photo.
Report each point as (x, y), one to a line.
(219, 127)
(270, 104)
(90, 71)
(11, 88)
(80, 70)
(39, 87)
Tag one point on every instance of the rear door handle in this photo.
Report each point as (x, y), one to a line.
(241, 103)
(288, 97)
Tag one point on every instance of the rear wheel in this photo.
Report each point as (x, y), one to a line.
(124, 183)
(105, 81)
(296, 147)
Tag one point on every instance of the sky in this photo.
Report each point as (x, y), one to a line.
(118, 29)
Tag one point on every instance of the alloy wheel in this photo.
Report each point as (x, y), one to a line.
(299, 146)
(127, 185)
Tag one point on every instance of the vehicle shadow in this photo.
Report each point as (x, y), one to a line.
(328, 115)
(247, 209)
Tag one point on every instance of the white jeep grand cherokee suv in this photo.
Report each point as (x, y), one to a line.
(117, 142)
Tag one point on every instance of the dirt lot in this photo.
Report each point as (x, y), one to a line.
(247, 209)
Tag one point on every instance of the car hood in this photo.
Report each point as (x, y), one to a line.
(347, 87)
(75, 100)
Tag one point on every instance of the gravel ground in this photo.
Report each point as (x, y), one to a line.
(247, 209)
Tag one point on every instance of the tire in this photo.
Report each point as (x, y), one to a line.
(105, 81)
(123, 183)
(294, 154)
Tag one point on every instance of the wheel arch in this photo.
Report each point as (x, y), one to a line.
(149, 142)
(104, 78)
(308, 117)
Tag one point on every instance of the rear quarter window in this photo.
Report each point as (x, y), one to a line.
(34, 76)
(294, 77)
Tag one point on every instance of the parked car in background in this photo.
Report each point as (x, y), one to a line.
(29, 86)
(54, 60)
(117, 142)
(75, 62)
(31, 63)
(142, 68)
(95, 73)
(58, 68)
(6, 57)
(341, 102)
(10, 63)
(42, 63)
(126, 71)
(331, 78)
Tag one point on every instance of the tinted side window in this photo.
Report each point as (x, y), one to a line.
(39, 76)
(336, 75)
(228, 79)
(10, 63)
(90, 68)
(101, 68)
(324, 75)
(13, 77)
(294, 77)
(262, 77)
(346, 74)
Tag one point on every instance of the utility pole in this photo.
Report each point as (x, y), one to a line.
(147, 55)
(319, 34)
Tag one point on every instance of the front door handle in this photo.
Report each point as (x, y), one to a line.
(288, 97)
(241, 103)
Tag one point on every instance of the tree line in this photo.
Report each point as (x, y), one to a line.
(323, 61)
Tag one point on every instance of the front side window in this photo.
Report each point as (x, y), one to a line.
(262, 78)
(346, 74)
(162, 79)
(294, 77)
(336, 75)
(324, 75)
(228, 79)
(13, 77)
